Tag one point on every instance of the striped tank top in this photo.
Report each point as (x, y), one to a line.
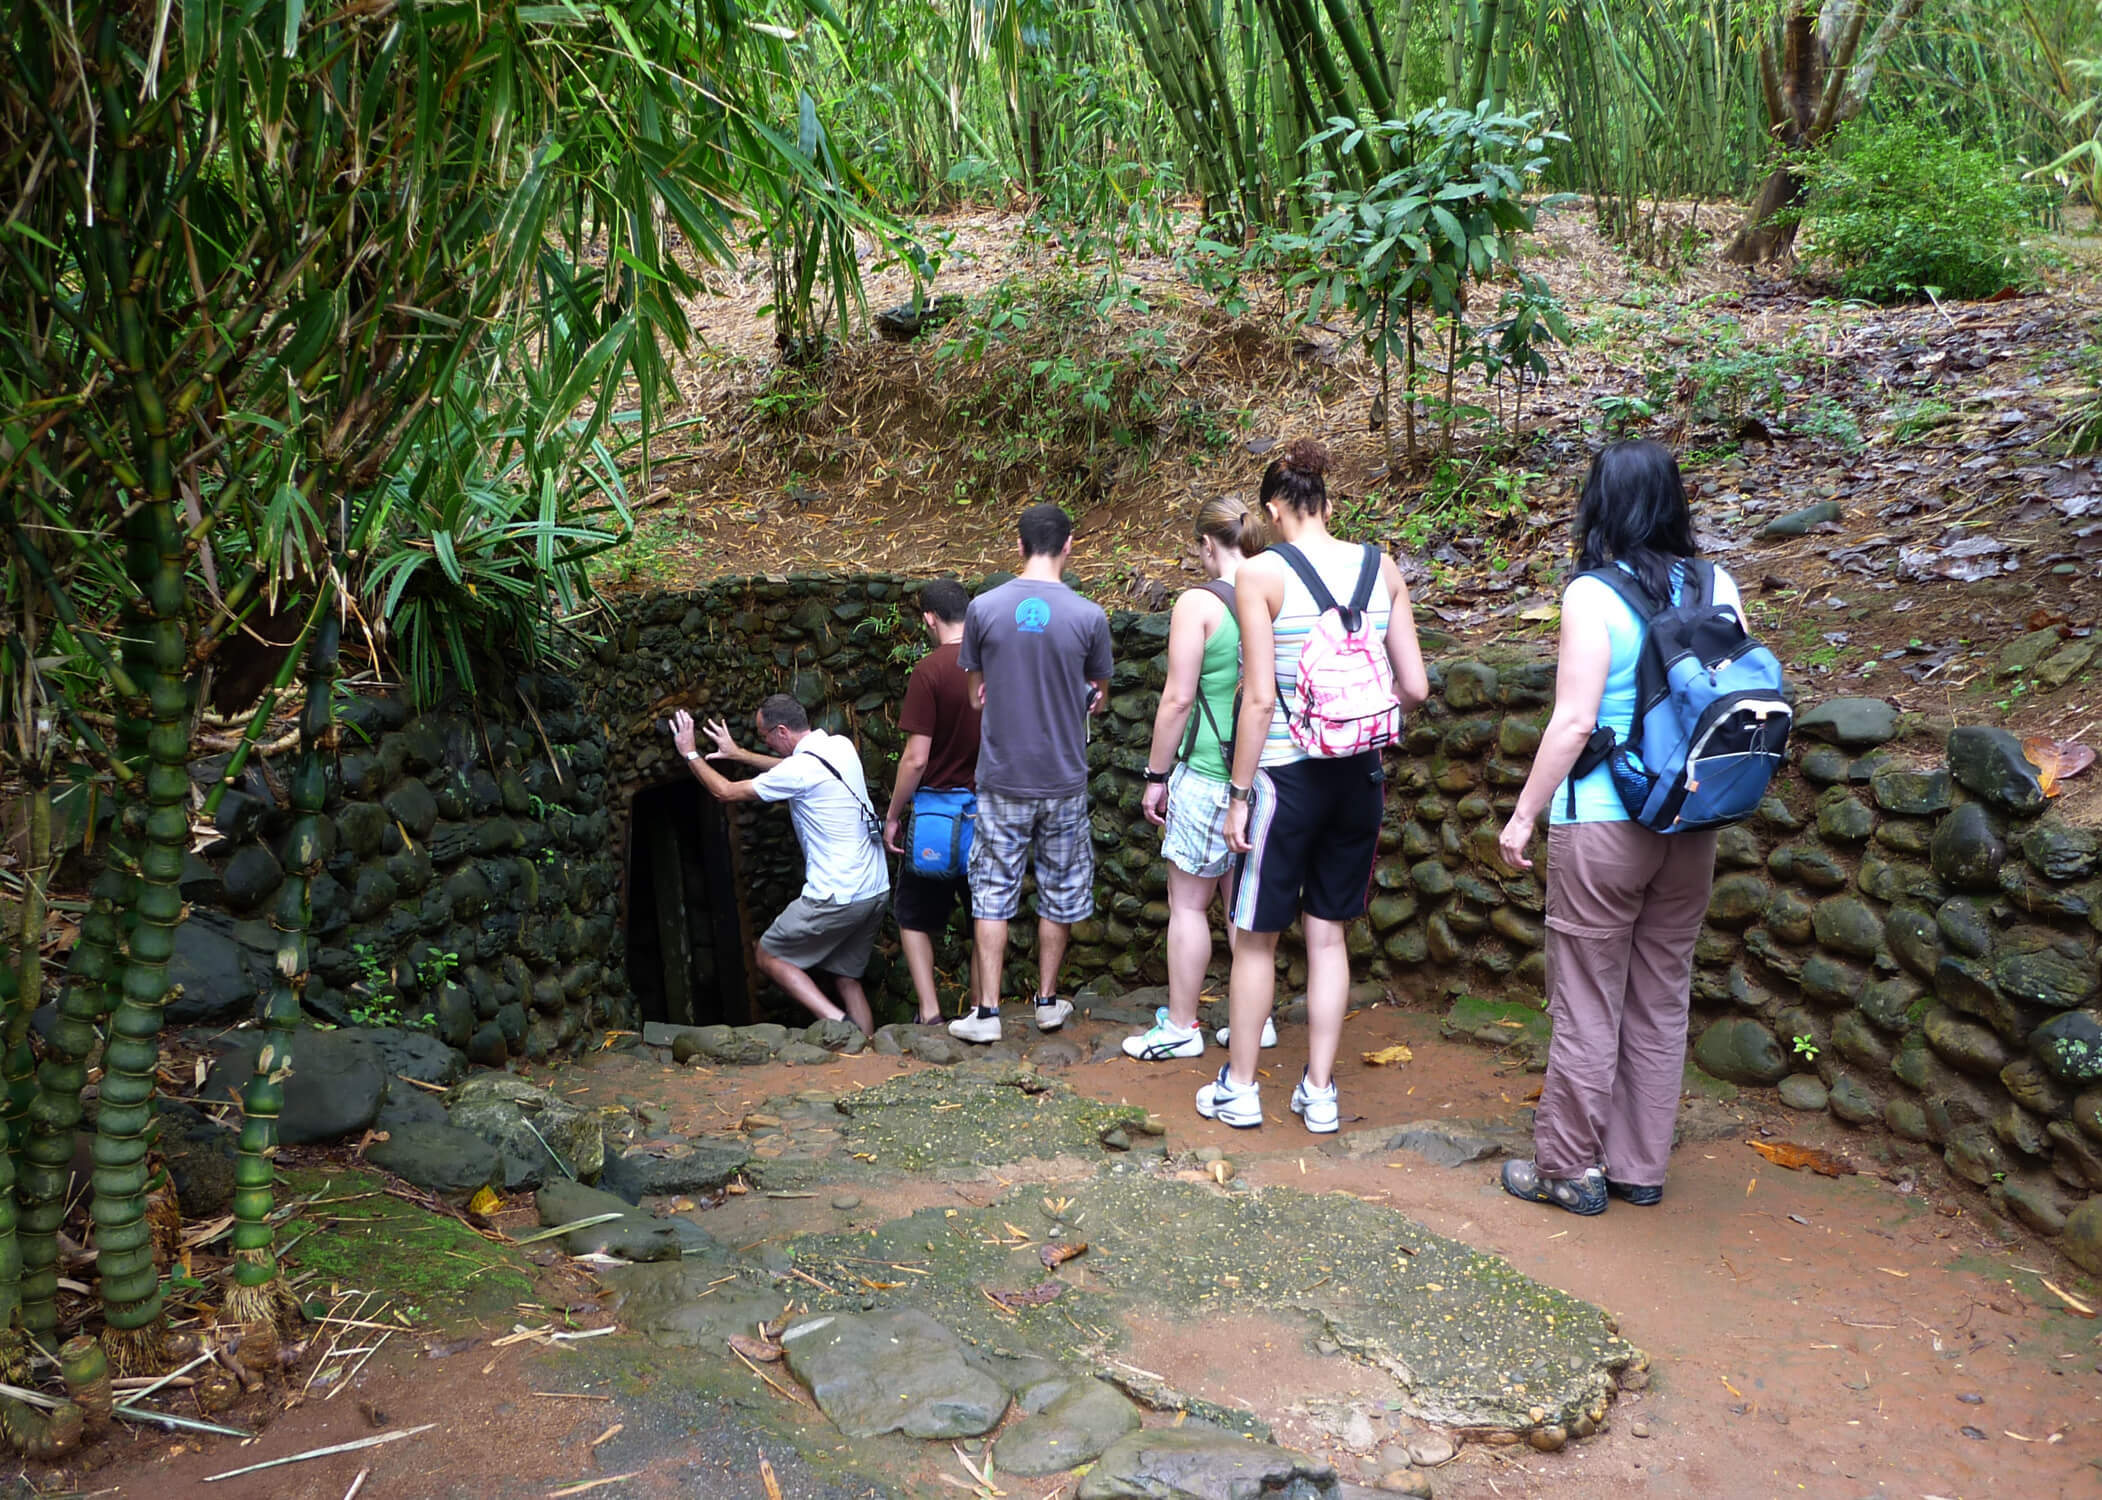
(1338, 564)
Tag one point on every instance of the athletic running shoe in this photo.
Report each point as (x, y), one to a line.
(1269, 1033)
(1239, 1105)
(1316, 1107)
(1584, 1195)
(1052, 1013)
(972, 1027)
(1164, 1039)
(1641, 1195)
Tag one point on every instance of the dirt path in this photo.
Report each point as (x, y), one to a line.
(1809, 1336)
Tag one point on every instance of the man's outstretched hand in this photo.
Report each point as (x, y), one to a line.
(725, 747)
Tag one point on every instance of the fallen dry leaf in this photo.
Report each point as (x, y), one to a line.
(1036, 1296)
(1394, 1054)
(2042, 752)
(1788, 1154)
(766, 1478)
(485, 1201)
(1058, 1252)
(765, 1351)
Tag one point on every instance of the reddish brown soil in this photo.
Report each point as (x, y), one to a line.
(1810, 1336)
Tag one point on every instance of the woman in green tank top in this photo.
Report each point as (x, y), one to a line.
(1187, 769)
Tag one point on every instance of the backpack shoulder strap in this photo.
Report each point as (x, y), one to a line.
(1629, 587)
(1700, 582)
(1221, 590)
(868, 809)
(1368, 575)
(1324, 601)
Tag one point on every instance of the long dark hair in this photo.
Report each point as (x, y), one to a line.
(1634, 511)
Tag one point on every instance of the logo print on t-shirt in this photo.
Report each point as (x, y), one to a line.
(1033, 616)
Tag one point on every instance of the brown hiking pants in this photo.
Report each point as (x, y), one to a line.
(1624, 906)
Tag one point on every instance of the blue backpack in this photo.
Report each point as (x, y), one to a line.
(1711, 722)
(943, 820)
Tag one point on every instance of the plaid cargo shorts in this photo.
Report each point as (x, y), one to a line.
(1050, 835)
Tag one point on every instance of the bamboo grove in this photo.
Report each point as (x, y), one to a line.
(347, 329)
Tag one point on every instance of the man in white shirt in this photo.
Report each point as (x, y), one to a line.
(832, 925)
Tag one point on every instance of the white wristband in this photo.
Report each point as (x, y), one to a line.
(692, 754)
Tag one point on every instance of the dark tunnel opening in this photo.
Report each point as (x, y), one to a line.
(686, 960)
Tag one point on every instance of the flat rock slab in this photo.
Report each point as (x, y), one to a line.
(892, 1371)
(689, 1304)
(530, 1123)
(1469, 1341)
(442, 1159)
(976, 1114)
(660, 1169)
(335, 1089)
(1174, 1464)
(633, 1236)
(1075, 1428)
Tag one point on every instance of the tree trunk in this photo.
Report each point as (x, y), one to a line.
(1821, 82)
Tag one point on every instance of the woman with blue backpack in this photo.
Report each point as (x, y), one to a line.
(1329, 662)
(1186, 771)
(1667, 724)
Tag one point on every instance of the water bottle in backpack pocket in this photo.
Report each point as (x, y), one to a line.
(943, 821)
(1711, 719)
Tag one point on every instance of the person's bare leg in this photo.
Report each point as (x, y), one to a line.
(856, 1001)
(1248, 1002)
(1189, 942)
(800, 986)
(1050, 953)
(1327, 996)
(989, 948)
(918, 948)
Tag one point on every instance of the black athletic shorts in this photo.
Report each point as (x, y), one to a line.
(1315, 831)
(923, 904)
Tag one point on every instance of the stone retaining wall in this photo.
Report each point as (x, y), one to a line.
(1905, 935)
(470, 875)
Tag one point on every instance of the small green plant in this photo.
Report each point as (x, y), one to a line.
(1830, 422)
(437, 968)
(375, 1002)
(1806, 1047)
(1620, 414)
(1915, 419)
(1901, 209)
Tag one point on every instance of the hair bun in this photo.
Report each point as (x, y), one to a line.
(1307, 458)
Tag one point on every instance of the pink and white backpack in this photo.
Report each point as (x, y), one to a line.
(1345, 702)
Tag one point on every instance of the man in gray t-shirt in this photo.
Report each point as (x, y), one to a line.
(1038, 656)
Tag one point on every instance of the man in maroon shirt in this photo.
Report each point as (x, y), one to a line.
(940, 724)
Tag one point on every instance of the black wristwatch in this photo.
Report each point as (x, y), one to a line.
(1241, 793)
(1155, 778)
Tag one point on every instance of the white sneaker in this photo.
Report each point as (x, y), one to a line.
(1239, 1105)
(1164, 1039)
(1316, 1107)
(1050, 1015)
(972, 1027)
(1269, 1033)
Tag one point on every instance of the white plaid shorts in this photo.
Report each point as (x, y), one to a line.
(1195, 839)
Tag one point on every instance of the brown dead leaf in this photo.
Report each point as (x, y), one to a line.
(1058, 1252)
(1788, 1154)
(2042, 752)
(766, 1478)
(764, 1351)
(1394, 1054)
(1036, 1296)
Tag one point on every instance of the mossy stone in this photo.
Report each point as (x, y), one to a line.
(1828, 981)
(1738, 848)
(1964, 924)
(1914, 793)
(1738, 1049)
(1989, 761)
(2069, 1045)
(1967, 849)
(1889, 1002)
(2058, 851)
(1824, 765)
(1913, 836)
(1390, 911)
(1845, 818)
(1515, 927)
(1431, 877)
(2030, 1086)
(1847, 924)
(1906, 1119)
(1965, 1044)
(1470, 685)
(1853, 1101)
(1408, 945)
(1738, 900)
(2046, 977)
(1778, 815)
(1518, 736)
(1789, 917)
(1438, 934)
(1974, 1153)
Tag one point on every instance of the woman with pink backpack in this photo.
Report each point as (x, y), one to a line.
(1329, 662)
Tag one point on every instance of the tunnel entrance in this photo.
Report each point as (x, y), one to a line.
(686, 960)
